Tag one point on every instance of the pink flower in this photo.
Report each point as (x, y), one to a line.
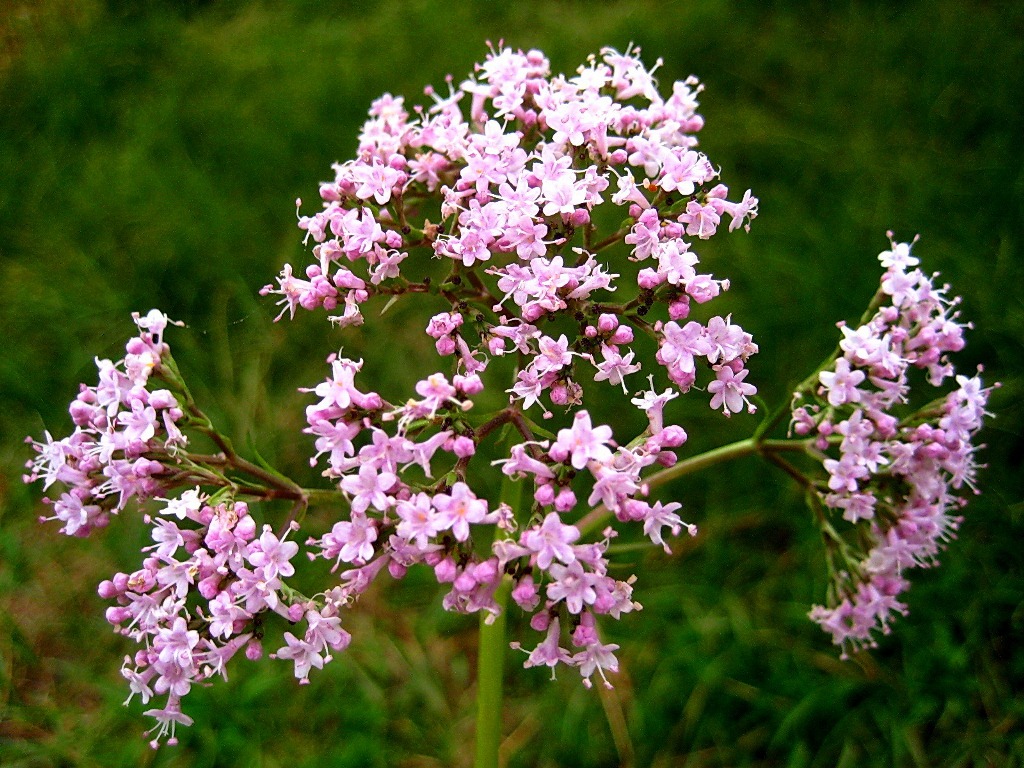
(369, 488)
(551, 541)
(458, 509)
(729, 391)
(841, 384)
(583, 442)
(573, 585)
(273, 555)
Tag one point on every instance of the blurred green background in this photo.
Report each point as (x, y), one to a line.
(150, 154)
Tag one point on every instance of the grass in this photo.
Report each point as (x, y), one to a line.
(150, 158)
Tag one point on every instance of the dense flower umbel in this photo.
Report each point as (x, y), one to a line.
(895, 478)
(516, 168)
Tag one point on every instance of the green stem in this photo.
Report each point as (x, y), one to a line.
(491, 649)
(737, 450)
(489, 675)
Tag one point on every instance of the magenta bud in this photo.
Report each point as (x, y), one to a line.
(666, 459)
(445, 346)
(210, 586)
(565, 500)
(532, 312)
(604, 603)
(445, 571)
(672, 436)
(539, 621)
(558, 453)
(245, 528)
(468, 385)
(607, 323)
(81, 413)
(648, 279)
(672, 230)
(253, 650)
(463, 446)
(580, 217)
(623, 335)
(886, 424)
(116, 615)
(679, 310)
(486, 572)
(584, 635)
(525, 594)
(107, 589)
(634, 510)
(396, 569)
(136, 346)
(545, 494)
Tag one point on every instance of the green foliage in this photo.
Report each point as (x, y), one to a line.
(151, 154)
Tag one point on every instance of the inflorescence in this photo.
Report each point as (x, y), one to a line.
(563, 212)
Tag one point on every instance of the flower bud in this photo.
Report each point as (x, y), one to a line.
(445, 571)
(525, 594)
(679, 310)
(107, 590)
(463, 446)
(116, 615)
(540, 621)
(580, 217)
(545, 494)
(623, 335)
(565, 500)
(445, 346)
(607, 323)
(468, 385)
(254, 650)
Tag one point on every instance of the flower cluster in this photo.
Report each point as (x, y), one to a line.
(199, 598)
(895, 478)
(119, 424)
(516, 187)
(399, 518)
(520, 172)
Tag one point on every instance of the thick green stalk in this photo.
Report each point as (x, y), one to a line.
(492, 645)
(489, 677)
